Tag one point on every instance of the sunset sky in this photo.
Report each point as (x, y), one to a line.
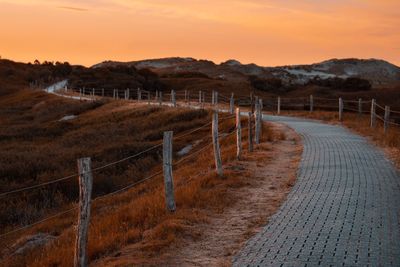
(265, 32)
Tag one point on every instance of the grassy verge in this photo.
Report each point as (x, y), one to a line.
(107, 131)
(361, 124)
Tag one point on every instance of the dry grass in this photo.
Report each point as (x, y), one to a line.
(106, 131)
(389, 141)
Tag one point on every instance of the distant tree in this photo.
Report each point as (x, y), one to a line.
(348, 84)
(36, 62)
(356, 84)
(270, 84)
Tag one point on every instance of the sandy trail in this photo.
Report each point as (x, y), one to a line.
(270, 180)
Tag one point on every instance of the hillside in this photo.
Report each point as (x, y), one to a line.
(379, 72)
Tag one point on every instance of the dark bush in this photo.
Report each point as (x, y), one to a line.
(268, 85)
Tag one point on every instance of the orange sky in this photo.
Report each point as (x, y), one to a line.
(266, 32)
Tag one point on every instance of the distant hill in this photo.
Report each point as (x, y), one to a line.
(378, 72)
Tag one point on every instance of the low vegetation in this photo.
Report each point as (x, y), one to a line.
(361, 125)
(36, 146)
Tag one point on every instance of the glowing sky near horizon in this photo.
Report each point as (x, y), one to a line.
(266, 32)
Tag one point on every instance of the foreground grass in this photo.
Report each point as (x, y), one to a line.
(108, 131)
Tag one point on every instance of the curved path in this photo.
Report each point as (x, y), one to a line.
(344, 209)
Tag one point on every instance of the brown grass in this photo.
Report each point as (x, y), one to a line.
(106, 132)
(389, 141)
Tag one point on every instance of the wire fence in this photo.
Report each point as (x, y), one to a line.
(124, 188)
(200, 99)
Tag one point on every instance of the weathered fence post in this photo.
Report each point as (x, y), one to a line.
(167, 167)
(200, 97)
(117, 92)
(160, 98)
(156, 97)
(279, 105)
(148, 97)
(213, 98)
(359, 106)
(260, 102)
(217, 152)
(188, 98)
(125, 97)
(139, 94)
(173, 98)
(102, 92)
(85, 194)
(204, 99)
(216, 100)
(386, 118)
(340, 109)
(84, 91)
(373, 114)
(250, 133)
(311, 103)
(238, 135)
(257, 123)
(231, 104)
(252, 102)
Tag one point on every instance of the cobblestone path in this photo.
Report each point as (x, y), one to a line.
(344, 209)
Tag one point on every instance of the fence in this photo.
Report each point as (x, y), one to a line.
(217, 102)
(87, 173)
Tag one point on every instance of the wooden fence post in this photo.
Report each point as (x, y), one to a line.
(156, 97)
(188, 98)
(311, 103)
(167, 167)
(260, 102)
(84, 91)
(257, 123)
(102, 92)
(93, 92)
(373, 114)
(148, 97)
(114, 93)
(200, 97)
(250, 133)
(160, 98)
(279, 105)
(386, 118)
(213, 98)
(204, 99)
(216, 100)
(340, 109)
(139, 94)
(238, 135)
(85, 194)
(217, 152)
(231, 104)
(252, 102)
(173, 98)
(359, 106)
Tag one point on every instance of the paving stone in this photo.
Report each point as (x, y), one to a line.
(344, 209)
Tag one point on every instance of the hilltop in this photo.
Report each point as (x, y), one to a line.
(378, 72)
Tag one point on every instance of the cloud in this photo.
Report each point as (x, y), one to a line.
(73, 8)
